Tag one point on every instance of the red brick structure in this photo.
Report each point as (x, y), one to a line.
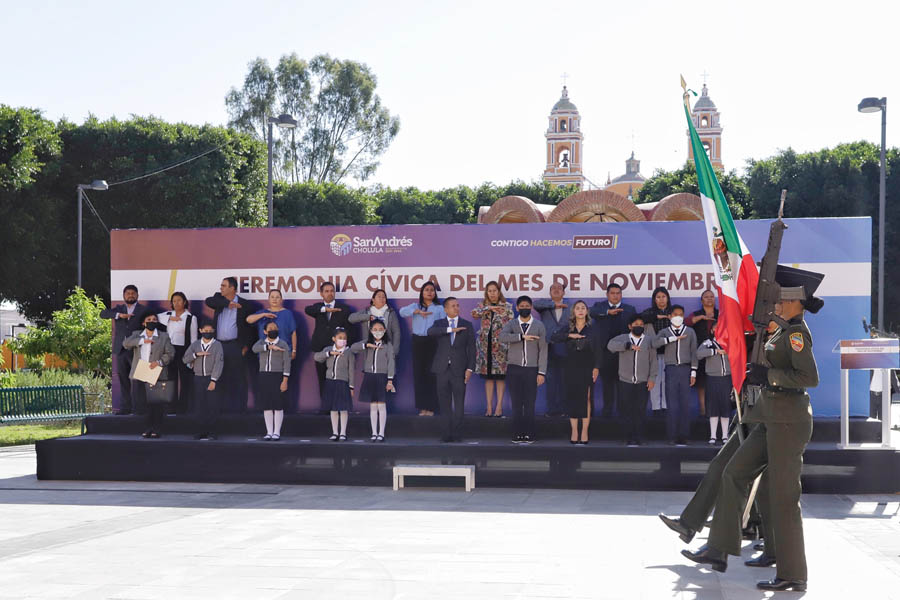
(513, 209)
(677, 207)
(595, 206)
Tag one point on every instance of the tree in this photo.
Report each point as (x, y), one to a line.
(835, 182)
(76, 334)
(321, 204)
(413, 206)
(224, 188)
(27, 143)
(342, 126)
(684, 180)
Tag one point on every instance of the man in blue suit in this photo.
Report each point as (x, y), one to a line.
(611, 318)
(454, 362)
(554, 313)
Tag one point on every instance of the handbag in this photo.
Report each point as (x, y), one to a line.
(161, 393)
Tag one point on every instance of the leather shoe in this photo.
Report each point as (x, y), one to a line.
(707, 555)
(763, 560)
(684, 532)
(782, 585)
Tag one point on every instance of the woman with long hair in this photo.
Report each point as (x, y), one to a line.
(182, 327)
(703, 321)
(656, 318)
(490, 360)
(580, 369)
(424, 313)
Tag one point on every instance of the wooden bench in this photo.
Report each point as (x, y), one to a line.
(42, 404)
(467, 471)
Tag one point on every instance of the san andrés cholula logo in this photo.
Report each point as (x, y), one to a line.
(342, 244)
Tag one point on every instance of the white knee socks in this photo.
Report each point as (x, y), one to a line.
(724, 422)
(269, 418)
(382, 413)
(344, 416)
(713, 423)
(334, 422)
(279, 419)
(373, 417)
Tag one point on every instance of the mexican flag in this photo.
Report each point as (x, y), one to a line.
(736, 272)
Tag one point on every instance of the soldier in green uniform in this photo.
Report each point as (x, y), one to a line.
(777, 443)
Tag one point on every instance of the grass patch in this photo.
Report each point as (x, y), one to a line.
(15, 435)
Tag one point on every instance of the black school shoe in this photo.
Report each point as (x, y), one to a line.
(707, 555)
(684, 532)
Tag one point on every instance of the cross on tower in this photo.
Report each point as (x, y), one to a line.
(564, 77)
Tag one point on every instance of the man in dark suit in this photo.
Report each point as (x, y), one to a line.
(611, 317)
(236, 336)
(554, 312)
(127, 319)
(454, 362)
(328, 316)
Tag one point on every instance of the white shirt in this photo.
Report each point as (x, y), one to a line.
(130, 308)
(558, 313)
(176, 329)
(145, 348)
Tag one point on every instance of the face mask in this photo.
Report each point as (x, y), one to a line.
(340, 343)
(677, 321)
(272, 334)
(207, 335)
(637, 331)
(152, 325)
(377, 334)
(524, 312)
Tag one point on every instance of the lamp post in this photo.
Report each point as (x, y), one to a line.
(870, 105)
(284, 121)
(99, 185)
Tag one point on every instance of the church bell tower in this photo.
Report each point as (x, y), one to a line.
(706, 122)
(564, 144)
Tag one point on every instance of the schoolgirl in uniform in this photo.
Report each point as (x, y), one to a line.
(378, 375)
(718, 386)
(274, 371)
(337, 392)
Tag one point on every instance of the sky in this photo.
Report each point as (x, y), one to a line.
(473, 82)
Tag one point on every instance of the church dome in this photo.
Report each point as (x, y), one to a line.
(564, 103)
(705, 102)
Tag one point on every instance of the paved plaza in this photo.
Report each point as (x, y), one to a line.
(168, 540)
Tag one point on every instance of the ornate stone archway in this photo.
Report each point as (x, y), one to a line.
(678, 207)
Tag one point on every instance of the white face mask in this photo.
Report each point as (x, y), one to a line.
(677, 321)
(377, 334)
(340, 343)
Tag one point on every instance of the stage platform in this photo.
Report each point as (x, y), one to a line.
(113, 450)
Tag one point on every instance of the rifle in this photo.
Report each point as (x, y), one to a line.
(768, 294)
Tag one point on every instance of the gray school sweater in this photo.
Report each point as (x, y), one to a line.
(341, 368)
(635, 366)
(678, 352)
(273, 361)
(376, 360)
(716, 365)
(206, 366)
(532, 353)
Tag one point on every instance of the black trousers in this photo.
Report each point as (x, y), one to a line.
(234, 379)
(123, 370)
(180, 372)
(155, 413)
(206, 405)
(609, 381)
(423, 349)
(138, 397)
(633, 398)
(451, 395)
(522, 385)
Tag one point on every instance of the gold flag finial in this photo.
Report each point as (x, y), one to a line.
(687, 93)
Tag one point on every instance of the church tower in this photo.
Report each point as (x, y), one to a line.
(564, 144)
(706, 122)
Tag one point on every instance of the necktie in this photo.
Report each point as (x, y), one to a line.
(452, 333)
(328, 313)
(525, 328)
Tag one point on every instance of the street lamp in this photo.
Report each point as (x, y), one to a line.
(284, 121)
(870, 105)
(99, 185)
